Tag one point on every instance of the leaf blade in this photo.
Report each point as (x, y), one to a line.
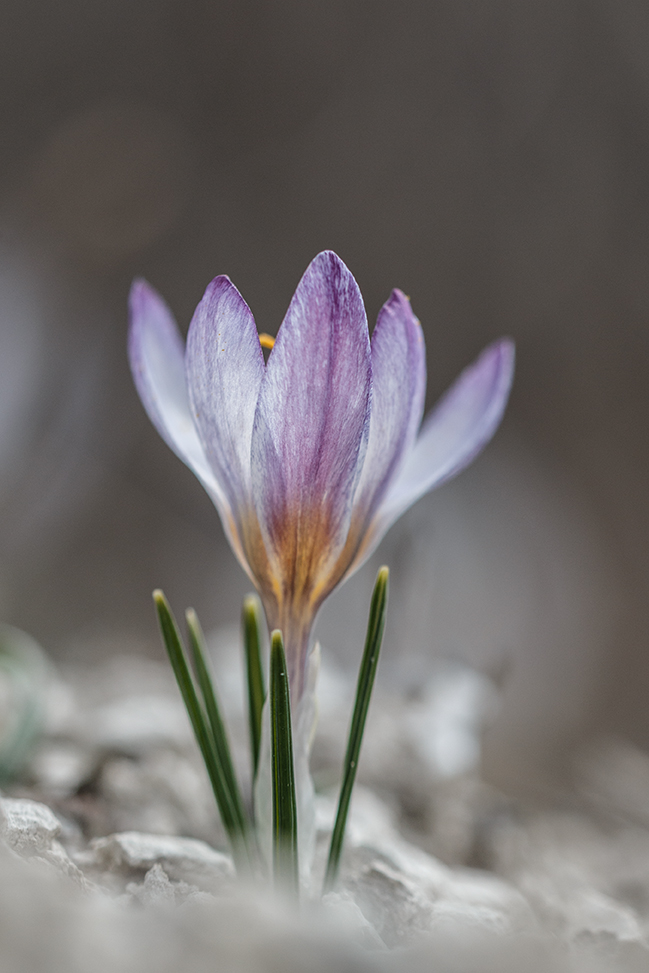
(175, 650)
(213, 712)
(364, 686)
(285, 853)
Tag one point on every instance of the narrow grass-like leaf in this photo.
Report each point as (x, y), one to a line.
(251, 624)
(367, 671)
(285, 860)
(212, 709)
(202, 731)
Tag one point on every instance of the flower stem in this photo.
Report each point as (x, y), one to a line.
(367, 671)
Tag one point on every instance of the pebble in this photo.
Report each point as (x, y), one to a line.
(183, 859)
(29, 828)
(135, 724)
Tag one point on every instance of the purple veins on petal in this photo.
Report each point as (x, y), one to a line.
(311, 424)
(457, 429)
(225, 366)
(398, 392)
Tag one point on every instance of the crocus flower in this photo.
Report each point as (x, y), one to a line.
(311, 457)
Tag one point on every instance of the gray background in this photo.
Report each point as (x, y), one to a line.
(490, 157)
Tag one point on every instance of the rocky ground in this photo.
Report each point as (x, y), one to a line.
(113, 860)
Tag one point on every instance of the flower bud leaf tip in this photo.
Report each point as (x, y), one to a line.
(252, 640)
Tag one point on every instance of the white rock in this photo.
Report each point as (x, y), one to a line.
(183, 859)
(614, 775)
(162, 792)
(344, 911)
(404, 892)
(156, 890)
(29, 828)
(494, 903)
(409, 893)
(445, 722)
(591, 914)
(396, 907)
(134, 724)
(569, 869)
(60, 769)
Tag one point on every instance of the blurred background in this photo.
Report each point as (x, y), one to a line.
(489, 157)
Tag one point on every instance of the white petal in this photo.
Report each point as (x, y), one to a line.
(451, 437)
(398, 390)
(157, 359)
(225, 366)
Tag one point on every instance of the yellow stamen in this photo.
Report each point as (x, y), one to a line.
(266, 340)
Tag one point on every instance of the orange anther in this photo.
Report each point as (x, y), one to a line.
(266, 340)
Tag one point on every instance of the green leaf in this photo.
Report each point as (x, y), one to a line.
(220, 737)
(202, 731)
(251, 623)
(367, 671)
(285, 860)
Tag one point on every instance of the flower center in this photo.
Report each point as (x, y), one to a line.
(266, 340)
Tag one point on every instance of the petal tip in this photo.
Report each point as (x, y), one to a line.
(141, 294)
(399, 303)
(398, 297)
(328, 263)
(219, 284)
(329, 255)
(491, 376)
(506, 348)
(221, 297)
(397, 313)
(147, 309)
(139, 283)
(503, 352)
(152, 331)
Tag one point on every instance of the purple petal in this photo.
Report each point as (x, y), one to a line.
(225, 366)
(311, 425)
(453, 434)
(398, 392)
(457, 429)
(156, 355)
